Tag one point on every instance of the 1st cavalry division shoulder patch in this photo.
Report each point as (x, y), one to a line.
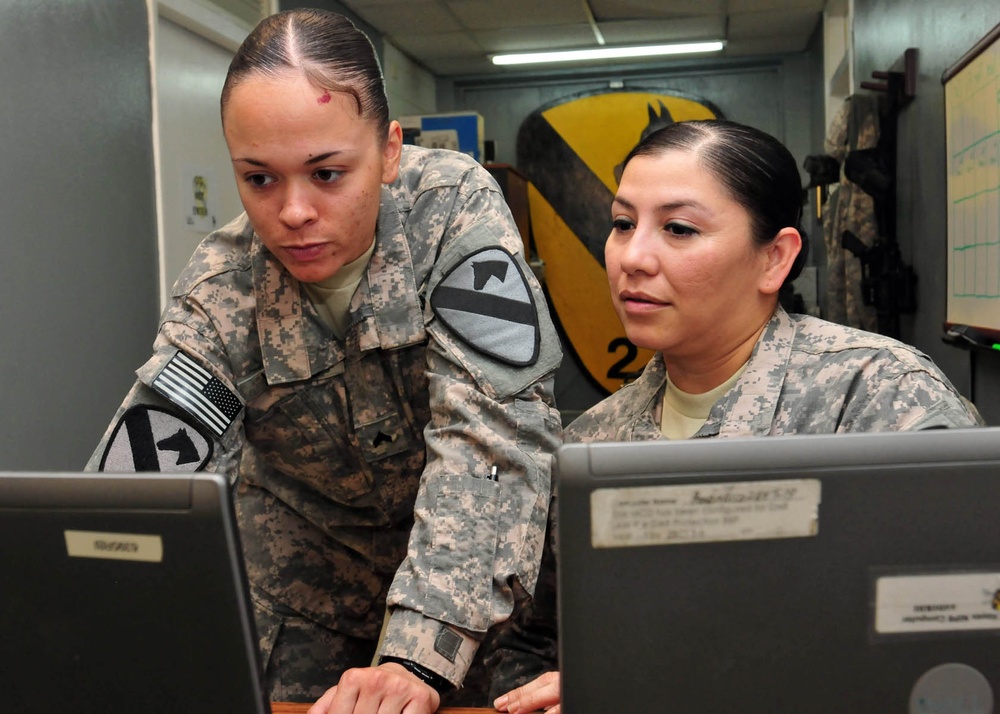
(151, 439)
(486, 302)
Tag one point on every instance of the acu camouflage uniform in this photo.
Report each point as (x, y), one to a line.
(370, 461)
(805, 376)
(849, 208)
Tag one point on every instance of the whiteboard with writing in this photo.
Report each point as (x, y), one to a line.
(972, 126)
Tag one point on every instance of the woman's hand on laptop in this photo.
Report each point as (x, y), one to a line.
(541, 693)
(388, 689)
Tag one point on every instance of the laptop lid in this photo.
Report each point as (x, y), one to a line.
(835, 573)
(124, 593)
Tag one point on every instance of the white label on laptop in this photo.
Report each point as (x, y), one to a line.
(939, 602)
(702, 513)
(114, 546)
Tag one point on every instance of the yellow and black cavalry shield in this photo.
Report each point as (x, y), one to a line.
(571, 151)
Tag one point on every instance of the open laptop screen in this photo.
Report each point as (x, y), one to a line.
(837, 573)
(123, 594)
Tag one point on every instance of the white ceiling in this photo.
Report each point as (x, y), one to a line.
(456, 37)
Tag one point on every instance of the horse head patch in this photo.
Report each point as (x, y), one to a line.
(486, 302)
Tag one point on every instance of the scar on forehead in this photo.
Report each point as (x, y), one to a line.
(324, 98)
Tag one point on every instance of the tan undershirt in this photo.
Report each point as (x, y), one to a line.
(684, 414)
(332, 297)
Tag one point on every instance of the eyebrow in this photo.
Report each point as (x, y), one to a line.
(663, 206)
(309, 162)
(321, 157)
(622, 202)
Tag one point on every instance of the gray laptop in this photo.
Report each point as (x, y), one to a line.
(838, 573)
(123, 594)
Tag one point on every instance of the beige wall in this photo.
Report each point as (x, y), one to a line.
(189, 71)
(410, 88)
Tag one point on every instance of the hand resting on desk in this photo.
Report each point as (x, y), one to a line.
(302, 708)
(541, 693)
(388, 688)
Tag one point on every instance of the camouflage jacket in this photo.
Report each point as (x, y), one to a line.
(414, 452)
(805, 376)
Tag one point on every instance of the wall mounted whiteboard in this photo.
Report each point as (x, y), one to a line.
(972, 129)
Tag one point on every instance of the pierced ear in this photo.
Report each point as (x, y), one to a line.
(781, 254)
(391, 152)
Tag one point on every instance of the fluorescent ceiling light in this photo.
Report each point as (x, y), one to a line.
(608, 53)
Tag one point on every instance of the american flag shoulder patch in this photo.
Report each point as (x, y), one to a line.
(192, 387)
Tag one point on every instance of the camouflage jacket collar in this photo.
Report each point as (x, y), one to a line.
(385, 311)
(285, 335)
(748, 408)
(640, 418)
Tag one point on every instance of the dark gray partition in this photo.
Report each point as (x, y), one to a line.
(78, 277)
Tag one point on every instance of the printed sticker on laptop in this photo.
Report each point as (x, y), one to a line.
(937, 602)
(704, 513)
(114, 546)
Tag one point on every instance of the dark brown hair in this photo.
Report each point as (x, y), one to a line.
(755, 168)
(325, 46)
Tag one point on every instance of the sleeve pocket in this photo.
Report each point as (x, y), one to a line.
(463, 551)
